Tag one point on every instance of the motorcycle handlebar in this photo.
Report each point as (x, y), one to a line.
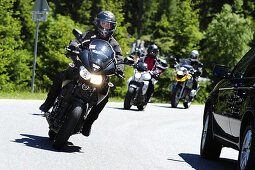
(120, 75)
(71, 50)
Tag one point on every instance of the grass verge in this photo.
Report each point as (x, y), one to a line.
(23, 95)
(42, 96)
(26, 95)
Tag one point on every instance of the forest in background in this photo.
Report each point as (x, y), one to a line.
(221, 30)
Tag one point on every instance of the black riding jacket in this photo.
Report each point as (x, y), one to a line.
(197, 65)
(89, 36)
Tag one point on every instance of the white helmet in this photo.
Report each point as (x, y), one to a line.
(194, 55)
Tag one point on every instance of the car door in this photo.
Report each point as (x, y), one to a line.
(243, 86)
(228, 98)
(223, 105)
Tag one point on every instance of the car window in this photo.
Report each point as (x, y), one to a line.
(250, 70)
(246, 62)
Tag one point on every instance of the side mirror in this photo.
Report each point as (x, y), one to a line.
(161, 67)
(221, 71)
(162, 62)
(129, 61)
(77, 34)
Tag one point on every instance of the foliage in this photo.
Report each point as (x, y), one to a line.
(23, 8)
(227, 39)
(185, 30)
(161, 89)
(203, 92)
(164, 34)
(149, 17)
(13, 57)
(54, 35)
(208, 9)
(220, 30)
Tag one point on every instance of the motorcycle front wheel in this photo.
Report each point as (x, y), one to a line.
(66, 130)
(187, 104)
(141, 107)
(51, 134)
(175, 96)
(128, 98)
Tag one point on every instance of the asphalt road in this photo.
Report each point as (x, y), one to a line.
(159, 138)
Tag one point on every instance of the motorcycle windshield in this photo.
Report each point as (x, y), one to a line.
(100, 58)
(186, 63)
(100, 55)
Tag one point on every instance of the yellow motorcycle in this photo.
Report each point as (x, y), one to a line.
(183, 83)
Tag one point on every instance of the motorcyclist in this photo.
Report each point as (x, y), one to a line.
(137, 53)
(152, 61)
(105, 25)
(197, 65)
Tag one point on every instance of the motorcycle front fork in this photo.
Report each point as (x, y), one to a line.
(182, 89)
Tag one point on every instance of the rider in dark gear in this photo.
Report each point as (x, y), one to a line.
(197, 65)
(152, 60)
(105, 24)
(138, 52)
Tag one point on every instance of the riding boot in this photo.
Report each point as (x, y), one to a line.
(150, 92)
(92, 116)
(53, 93)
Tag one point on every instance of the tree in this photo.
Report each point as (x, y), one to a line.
(53, 36)
(13, 66)
(149, 17)
(132, 11)
(207, 10)
(227, 39)
(185, 30)
(163, 34)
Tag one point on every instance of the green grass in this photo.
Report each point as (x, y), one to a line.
(23, 95)
(38, 96)
(42, 96)
(116, 99)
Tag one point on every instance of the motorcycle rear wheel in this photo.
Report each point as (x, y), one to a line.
(175, 94)
(66, 130)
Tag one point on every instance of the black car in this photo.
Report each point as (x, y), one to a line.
(229, 114)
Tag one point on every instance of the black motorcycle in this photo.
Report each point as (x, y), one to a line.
(88, 86)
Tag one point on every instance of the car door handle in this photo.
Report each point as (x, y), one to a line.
(227, 88)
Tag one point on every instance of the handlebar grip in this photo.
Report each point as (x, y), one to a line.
(121, 76)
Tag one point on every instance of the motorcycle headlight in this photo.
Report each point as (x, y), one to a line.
(180, 73)
(96, 79)
(138, 75)
(84, 73)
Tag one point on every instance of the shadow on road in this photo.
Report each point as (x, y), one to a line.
(121, 108)
(44, 143)
(169, 106)
(37, 114)
(196, 162)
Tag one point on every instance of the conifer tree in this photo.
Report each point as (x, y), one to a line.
(185, 28)
(227, 38)
(13, 66)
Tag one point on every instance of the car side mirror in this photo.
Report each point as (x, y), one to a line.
(221, 71)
